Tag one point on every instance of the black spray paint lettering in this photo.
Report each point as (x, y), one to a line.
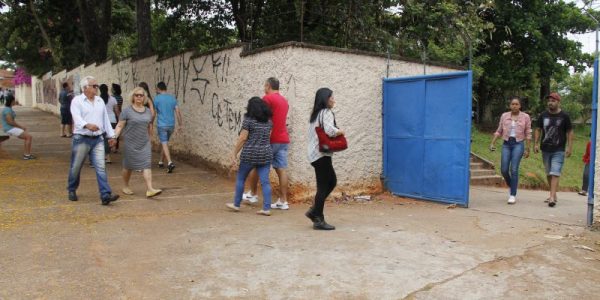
(201, 90)
(223, 111)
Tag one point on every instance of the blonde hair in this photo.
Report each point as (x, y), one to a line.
(135, 91)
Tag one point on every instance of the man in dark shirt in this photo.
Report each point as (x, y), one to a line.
(556, 135)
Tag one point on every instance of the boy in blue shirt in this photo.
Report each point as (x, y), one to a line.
(166, 109)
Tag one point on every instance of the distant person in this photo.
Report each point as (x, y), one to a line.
(321, 161)
(256, 153)
(150, 103)
(92, 126)
(1, 96)
(515, 129)
(116, 93)
(112, 108)
(12, 128)
(586, 170)
(554, 132)
(134, 124)
(66, 120)
(166, 110)
(280, 140)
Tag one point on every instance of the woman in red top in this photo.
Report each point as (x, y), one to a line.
(586, 170)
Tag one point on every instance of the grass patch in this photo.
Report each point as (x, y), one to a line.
(531, 173)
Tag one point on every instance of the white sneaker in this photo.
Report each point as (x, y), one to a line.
(280, 205)
(512, 200)
(248, 197)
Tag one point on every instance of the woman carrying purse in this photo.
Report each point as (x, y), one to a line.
(323, 117)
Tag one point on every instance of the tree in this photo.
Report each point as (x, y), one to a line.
(95, 19)
(144, 28)
(527, 48)
(576, 91)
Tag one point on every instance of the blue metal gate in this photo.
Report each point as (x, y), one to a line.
(426, 136)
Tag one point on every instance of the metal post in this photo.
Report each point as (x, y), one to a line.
(590, 210)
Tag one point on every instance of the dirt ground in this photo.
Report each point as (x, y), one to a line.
(184, 244)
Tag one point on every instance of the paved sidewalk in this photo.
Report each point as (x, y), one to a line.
(185, 245)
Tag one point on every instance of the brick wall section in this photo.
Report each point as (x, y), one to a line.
(213, 89)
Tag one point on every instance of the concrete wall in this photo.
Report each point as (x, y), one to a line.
(213, 89)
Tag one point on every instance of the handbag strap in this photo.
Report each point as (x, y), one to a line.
(321, 118)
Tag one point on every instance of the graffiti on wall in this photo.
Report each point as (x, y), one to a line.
(38, 92)
(50, 94)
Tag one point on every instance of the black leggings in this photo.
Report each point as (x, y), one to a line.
(326, 181)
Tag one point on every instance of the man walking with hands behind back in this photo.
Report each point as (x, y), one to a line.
(92, 126)
(556, 135)
(166, 108)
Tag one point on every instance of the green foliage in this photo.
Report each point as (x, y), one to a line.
(527, 48)
(576, 91)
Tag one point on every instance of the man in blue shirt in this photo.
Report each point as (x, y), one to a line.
(166, 108)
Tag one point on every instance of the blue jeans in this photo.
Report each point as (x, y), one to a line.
(512, 152)
(263, 174)
(94, 147)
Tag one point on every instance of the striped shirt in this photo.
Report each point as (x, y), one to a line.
(328, 121)
(257, 149)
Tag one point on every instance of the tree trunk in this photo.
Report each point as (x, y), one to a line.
(96, 34)
(45, 36)
(544, 87)
(144, 28)
(247, 16)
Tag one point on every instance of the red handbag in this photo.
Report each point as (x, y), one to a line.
(327, 143)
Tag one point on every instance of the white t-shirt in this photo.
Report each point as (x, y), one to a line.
(110, 109)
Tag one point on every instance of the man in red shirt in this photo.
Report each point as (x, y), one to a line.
(279, 143)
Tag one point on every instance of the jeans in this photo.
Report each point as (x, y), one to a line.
(94, 147)
(512, 152)
(553, 162)
(586, 178)
(326, 182)
(263, 174)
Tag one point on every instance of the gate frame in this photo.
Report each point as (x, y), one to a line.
(468, 139)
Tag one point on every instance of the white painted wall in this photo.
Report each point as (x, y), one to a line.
(213, 90)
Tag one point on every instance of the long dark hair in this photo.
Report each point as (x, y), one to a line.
(146, 87)
(10, 99)
(258, 109)
(116, 89)
(321, 100)
(104, 92)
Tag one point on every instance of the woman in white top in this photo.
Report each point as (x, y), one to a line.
(321, 161)
(112, 109)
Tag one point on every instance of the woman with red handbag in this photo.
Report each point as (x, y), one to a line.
(322, 118)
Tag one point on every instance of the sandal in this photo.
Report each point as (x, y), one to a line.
(552, 203)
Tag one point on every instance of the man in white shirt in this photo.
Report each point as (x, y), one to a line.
(91, 127)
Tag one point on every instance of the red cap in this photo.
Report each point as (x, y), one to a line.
(554, 96)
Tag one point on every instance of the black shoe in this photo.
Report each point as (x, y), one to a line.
(110, 198)
(161, 164)
(73, 196)
(323, 226)
(552, 203)
(170, 167)
(309, 214)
